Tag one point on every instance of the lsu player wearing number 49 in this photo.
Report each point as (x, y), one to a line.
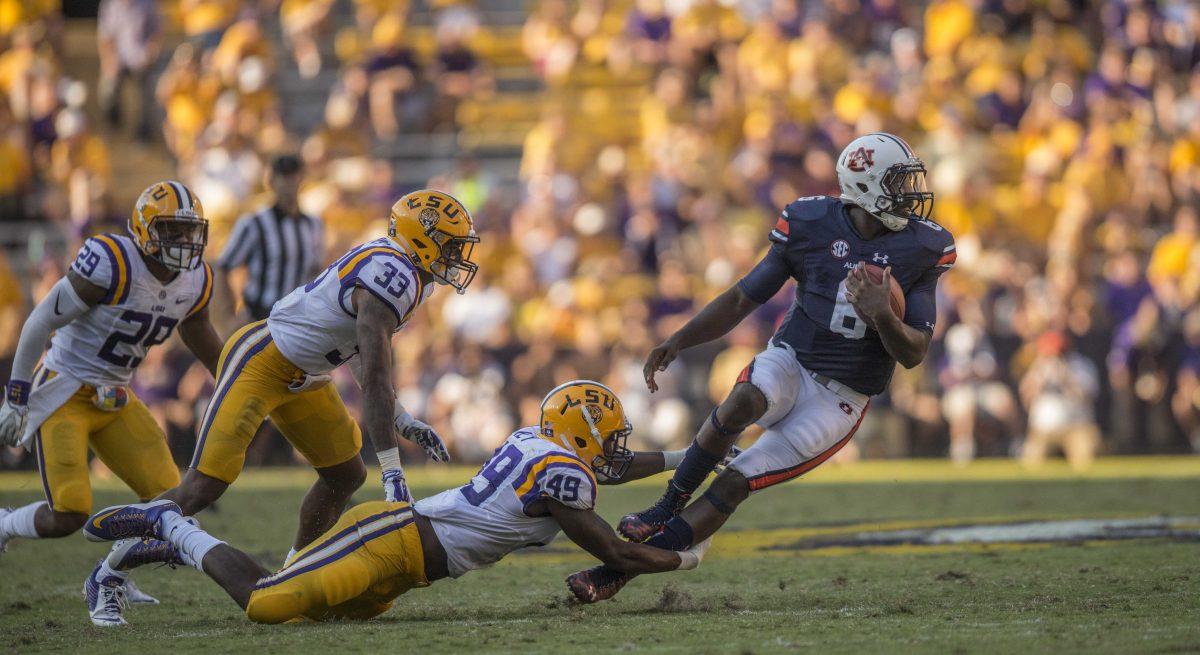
(541, 480)
(837, 347)
(281, 368)
(123, 295)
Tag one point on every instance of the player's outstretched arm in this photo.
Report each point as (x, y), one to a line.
(648, 463)
(69, 299)
(201, 338)
(713, 322)
(592, 534)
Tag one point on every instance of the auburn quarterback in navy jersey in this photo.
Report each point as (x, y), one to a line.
(837, 347)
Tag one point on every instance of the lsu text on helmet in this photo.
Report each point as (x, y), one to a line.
(438, 232)
(588, 419)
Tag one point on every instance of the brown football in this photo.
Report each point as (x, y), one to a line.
(876, 274)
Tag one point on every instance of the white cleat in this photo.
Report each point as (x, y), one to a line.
(105, 599)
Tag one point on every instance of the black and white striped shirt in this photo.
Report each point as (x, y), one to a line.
(279, 252)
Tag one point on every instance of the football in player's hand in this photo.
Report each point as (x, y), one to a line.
(876, 275)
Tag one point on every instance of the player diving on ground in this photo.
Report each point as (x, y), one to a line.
(121, 296)
(541, 480)
(281, 368)
(837, 347)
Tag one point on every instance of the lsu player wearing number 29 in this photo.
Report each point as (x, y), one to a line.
(837, 347)
(281, 368)
(541, 480)
(121, 296)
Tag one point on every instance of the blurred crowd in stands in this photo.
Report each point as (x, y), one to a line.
(658, 140)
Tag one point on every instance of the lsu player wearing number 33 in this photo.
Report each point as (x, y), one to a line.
(541, 480)
(281, 368)
(837, 347)
(121, 296)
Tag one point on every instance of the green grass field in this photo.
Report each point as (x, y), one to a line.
(756, 592)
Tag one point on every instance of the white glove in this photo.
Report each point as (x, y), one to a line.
(420, 433)
(309, 383)
(690, 558)
(395, 488)
(13, 413)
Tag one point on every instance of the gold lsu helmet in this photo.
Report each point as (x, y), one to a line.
(588, 419)
(437, 230)
(168, 225)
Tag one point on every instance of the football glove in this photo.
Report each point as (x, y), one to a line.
(395, 488)
(419, 432)
(13, 413)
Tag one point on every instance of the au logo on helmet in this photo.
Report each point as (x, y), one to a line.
(860, 160)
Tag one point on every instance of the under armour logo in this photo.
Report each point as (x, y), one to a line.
(880, 259)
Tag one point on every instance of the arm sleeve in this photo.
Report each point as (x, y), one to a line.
(767, 277)
(921, 301)
(61, 306)
(242, 241)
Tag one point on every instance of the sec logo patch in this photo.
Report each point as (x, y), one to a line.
(840, 248)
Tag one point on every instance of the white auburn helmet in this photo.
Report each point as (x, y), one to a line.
(881, 174)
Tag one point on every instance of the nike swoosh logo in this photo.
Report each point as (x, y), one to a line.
(56, 312)
(96, 521)
(180, 301)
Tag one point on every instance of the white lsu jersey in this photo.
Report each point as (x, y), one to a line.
(137, 312)
(315, 326)
(489, 517)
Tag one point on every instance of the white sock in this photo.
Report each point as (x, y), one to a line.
(290, 555)
(106, 570)
(192, 542)
(19, 522)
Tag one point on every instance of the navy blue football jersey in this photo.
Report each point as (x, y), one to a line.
(814, 243)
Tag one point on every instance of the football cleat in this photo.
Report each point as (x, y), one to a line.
(642, 525)
(131, 553)
(105, 599)
(128, 521)
(597, 583)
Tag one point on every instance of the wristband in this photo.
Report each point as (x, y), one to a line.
(400, 416)
(687, 560)
(673, 458)
(17, 393)
(389, 459)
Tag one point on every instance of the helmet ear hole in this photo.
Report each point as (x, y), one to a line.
(580, 442)
(862, 187)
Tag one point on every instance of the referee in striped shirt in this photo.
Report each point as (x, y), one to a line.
(280, 247)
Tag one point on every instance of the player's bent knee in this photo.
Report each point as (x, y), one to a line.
(346, 477)
(62, 524)
(745, 404)
(196, 492)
